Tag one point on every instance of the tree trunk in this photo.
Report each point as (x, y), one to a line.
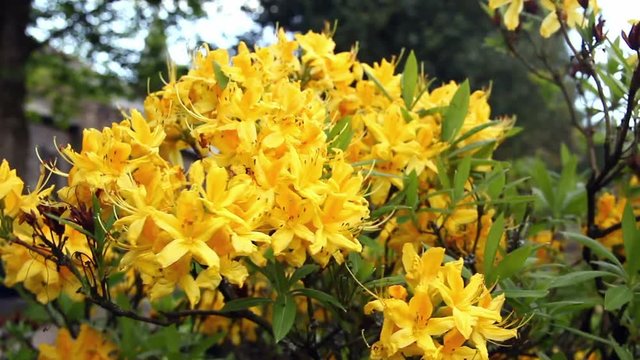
(15, 47)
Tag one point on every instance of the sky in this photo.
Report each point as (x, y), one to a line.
(618, 13)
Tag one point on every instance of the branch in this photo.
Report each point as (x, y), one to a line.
(598, 233)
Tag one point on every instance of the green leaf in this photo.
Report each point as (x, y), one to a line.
(484, 144)
(576, 278)
(567, 180)
(409, 79)
(432, 111)
(341, 134)
(616, 297)
(512, 263)
(378, 84)
(460, 178)
(473, 131)
(244, 303)
(71, 224)
(491, 246)
(302, 272)
(405, 115)
(442, 174)
(595, 246)
(542, 180)
(525, 293)
(622, 352)
(630, 236)
(221, 78)
(411, 189)
(322, 297)
(284, 316)
(496, 181)
(386, 281)
(456, 112)
(281, 283)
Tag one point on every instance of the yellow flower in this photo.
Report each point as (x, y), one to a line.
(10, 189)
(89, 345)
(422, 271)
(415, 322)
(570, 9)
(190, 229)
(487, 329)
(460, 298)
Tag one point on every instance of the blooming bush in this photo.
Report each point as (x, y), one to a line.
(298, 200)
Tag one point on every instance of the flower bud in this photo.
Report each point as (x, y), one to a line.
(584, 4)
(598, 30)
(633, 37)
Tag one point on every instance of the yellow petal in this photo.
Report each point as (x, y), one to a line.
(204, 254)
(172, 252)
(209, 278)
(281, 239)
(403, 338)
(463, 322)
(512, 16)
(233, 271)
(191, 289)
(550, 25)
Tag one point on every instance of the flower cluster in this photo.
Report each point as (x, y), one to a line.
(271, 159)
(444, 318)
(571, 10)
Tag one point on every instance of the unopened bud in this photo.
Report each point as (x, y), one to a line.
(598, 30)
(584, 4)
(633, 37)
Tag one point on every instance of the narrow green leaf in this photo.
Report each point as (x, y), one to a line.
(567, 180)
(622, 352)
(221, 78)
(456, 112)
(630, 236)
(460, 178)
(341, 134)
(442, 174)
(281, 283)
(432, 111)
(482, 145)
(386, 281)
(284, 316)
(616, 297)
(244, 303)
(71, 224)
(595, 246)
(542, 180)
(378, 84)
(512, 263)
(496, 181)
(525, 293)
(322, 297)
(409, 79)
(405, 115)
(491, 246)
(302, 272)
(580, 332)
(576, 278)
(411, 189)
(473, 131)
